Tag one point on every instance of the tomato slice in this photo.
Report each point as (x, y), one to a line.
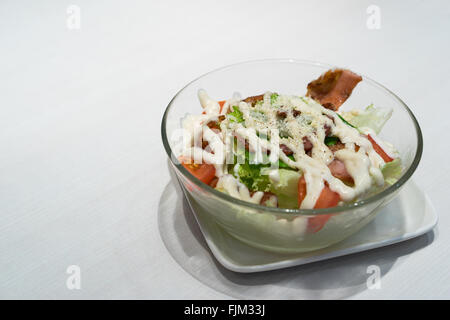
(204, 172)
(316, 223)
(221, 103)
(301, 190)
(327, 199)
(379, 150)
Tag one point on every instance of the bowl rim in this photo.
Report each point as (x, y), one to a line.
(300, 212)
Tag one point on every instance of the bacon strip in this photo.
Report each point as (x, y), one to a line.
(286, 150)
(338, 170)
(252, 100)
(307, 145)
(336, 147)
(333, 87)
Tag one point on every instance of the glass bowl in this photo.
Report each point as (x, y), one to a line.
(277, 229)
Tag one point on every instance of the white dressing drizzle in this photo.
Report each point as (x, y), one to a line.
(237, 189)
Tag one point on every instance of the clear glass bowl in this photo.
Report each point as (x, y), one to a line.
(277, 229)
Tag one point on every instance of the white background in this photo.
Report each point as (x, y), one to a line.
(82, 167)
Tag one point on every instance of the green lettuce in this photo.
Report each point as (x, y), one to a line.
(273, 98)
(371, 117)
(392, 171)
(286, 188)
(283, 165)
(345, 121)
(236, 115)
(331, 141)
(250, 175)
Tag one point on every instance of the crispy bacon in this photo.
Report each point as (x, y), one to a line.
(338, 170)
(333, 87)
(338, 146)
(216, 124)
(327, 130)
(252, 100)
(307, 145)
(213, 125)
(281, 114)
(287, 151)
(296, 113)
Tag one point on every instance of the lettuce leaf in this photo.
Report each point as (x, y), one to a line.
(283, 165)
(250, 175)
(286, 188)
(392, 171)
(345, 121)
(371, 117)
(236, 115)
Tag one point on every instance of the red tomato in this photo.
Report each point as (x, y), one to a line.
(327, 199)
(316, 223)
(379, 150)
(301, 190)
(221, 103)
(204, 172)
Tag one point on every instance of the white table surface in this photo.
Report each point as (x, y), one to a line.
(82, 166)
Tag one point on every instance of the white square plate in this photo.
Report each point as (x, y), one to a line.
(409, 215)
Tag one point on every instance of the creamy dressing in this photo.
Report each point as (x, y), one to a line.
(237, 189)
(363, 165)
(274, 175)
(209, 105)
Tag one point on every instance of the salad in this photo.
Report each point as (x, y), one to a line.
(291, 151)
